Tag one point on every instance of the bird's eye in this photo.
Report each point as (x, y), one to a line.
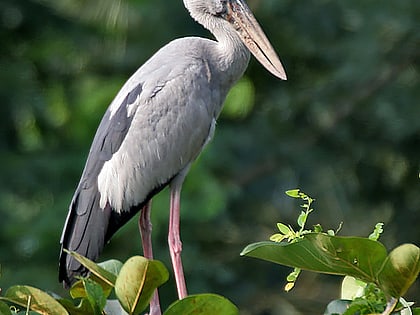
(221, 8)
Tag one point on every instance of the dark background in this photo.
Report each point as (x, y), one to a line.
(345, 128)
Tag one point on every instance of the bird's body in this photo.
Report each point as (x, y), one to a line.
(156, 127)
(160, 104)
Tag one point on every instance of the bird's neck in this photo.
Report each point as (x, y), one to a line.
(231, 55)
(232, 51)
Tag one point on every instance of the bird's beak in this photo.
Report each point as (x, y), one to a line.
(241, 17)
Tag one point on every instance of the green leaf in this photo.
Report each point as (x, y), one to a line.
(294, 193)
(277, 237)
(351, 288)
(84, 307)
(95, 269)
(400, 270)
(113, 266)
(361, 258)
(318, 228)
(289, 286)
(137, 281)
(331, 232)
(4, 309)
(104, 274)
(377, 231)
(292, 277)
(78, 289)
(354, 256)
(284, 229)
(202, 304)
(37, 300)
(361, 306)
(95, 295)
(302, 219)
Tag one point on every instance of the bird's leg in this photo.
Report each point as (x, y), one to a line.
(174, 240)
(145, 227)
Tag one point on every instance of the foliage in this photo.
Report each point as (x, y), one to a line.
(202, 304)
(33, 299)
(385, 277)
(374, 281)
(134, 283)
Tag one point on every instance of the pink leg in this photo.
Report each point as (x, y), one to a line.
(174, 240)
(145, 227)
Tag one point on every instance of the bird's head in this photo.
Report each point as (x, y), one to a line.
(234, 16)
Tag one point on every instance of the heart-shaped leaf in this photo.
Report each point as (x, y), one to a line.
(202, 304)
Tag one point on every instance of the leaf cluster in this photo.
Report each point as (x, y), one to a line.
(384, 277)
(133, 284)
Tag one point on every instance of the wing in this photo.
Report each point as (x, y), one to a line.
(155, 127)
(87, 226)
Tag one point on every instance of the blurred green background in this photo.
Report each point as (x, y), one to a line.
(345, 128)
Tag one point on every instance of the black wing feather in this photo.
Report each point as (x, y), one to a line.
(88, 227)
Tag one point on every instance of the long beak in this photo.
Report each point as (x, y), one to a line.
(253, 37)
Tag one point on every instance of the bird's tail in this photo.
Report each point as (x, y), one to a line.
(84, 232)
(87, 229)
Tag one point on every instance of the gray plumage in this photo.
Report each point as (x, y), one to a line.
(155, 127)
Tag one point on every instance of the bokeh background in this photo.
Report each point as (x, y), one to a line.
(345, 128)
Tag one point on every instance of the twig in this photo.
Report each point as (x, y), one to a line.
(390, 306)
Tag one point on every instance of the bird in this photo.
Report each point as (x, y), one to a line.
(155, 127)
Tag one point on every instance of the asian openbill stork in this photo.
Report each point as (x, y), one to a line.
(155, 127)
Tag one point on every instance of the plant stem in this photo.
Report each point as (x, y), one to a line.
(390, 306)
